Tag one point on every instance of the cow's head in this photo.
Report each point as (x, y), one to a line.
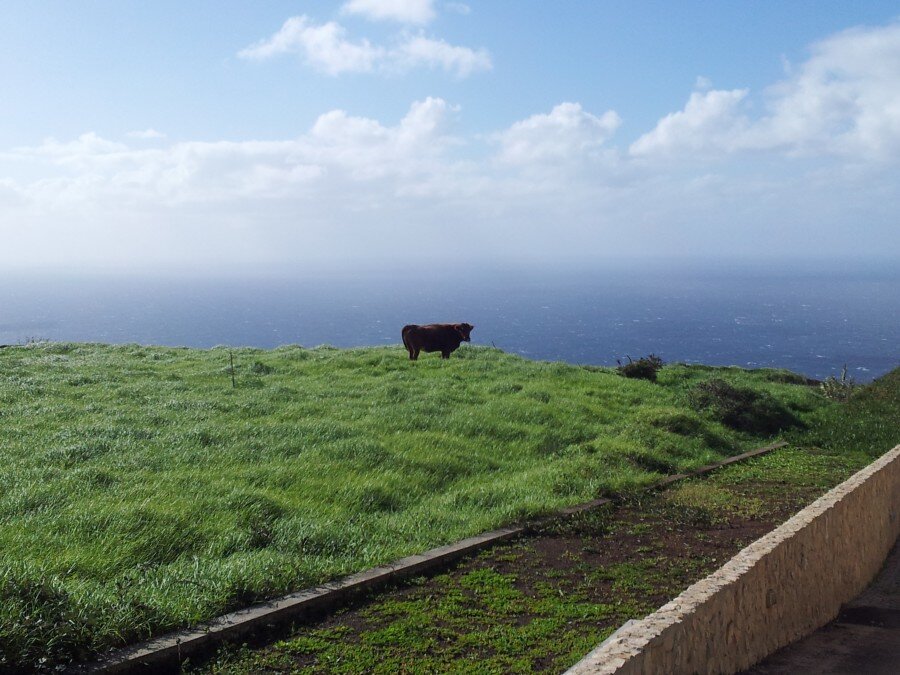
(464, 329)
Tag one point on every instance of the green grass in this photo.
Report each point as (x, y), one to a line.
(140, 492)
(489, 615)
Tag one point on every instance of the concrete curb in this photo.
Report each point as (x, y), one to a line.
(780, 588)
(167, 651)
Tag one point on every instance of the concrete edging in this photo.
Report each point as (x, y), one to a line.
(167, 651)
(780, 588)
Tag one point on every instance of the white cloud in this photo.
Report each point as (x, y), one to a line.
(550, 184)
(301, 197)
(86, 144)
(844, 100)
(567, 133)
(403, 11)
(146, 134)
(709, 120)
(420, 50)
(326, 48)
(339, 146)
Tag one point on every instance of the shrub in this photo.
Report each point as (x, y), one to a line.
(643, 369)
(838, 389)
(742, 409)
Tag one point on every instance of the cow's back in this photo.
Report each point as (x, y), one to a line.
(431, 337)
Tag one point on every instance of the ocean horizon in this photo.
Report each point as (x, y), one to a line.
(807, 318)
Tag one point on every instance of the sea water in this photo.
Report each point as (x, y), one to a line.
(807, 319)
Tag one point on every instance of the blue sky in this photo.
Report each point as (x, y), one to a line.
(271, 134)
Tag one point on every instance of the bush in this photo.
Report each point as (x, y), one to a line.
(742, 409)
(838, 389)
(644, 368)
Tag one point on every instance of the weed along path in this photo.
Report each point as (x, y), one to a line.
(141, 492)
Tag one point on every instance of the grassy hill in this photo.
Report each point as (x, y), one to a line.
(140, 491)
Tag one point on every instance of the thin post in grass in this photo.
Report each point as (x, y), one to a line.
(231, 359)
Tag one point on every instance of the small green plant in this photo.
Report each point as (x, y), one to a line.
(645, 368)
(838, 389)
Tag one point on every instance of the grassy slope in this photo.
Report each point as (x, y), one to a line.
(490, 615)
(139, 491)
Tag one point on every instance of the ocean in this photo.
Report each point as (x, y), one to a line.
(809, 319)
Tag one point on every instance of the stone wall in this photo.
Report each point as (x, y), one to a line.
(780, 588)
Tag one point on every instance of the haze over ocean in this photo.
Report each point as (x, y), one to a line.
(811, 319)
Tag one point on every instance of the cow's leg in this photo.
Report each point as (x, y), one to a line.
(445, 354)
(414, 354)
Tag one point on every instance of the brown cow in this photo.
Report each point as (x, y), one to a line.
(435, 337)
